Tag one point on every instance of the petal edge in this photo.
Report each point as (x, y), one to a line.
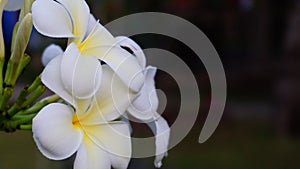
(54, 133)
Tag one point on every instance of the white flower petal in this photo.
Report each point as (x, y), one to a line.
(51, 52)
(115, 139)
(162, 136)
(98, 36)
(125, 65)
(145, 105)
(82, 105)
(91, 156)
(52, 79)
(91, 25)
(13, 5)
(81, 75)
(125, 119)
(136, 49)
(80, 13)
(111, 100)
(51, 19)
(102, 44)
(54, 133)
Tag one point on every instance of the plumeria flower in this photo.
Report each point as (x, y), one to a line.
(89, 42)
(12, 5)
(144, 106)
(100, 142)
(50, 53)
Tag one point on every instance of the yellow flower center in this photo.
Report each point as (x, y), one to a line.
(75, 121)
(81, 46)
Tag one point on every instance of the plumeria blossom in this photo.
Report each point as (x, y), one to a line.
(50, 53)
(89, 42)
(100, 142)
(144, 106)
(77, 75)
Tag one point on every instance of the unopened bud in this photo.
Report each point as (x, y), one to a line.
(21, 40)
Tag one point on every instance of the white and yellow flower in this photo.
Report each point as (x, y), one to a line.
(61, 130)
(144, 106)
(89, 42)
(50, 53)
(77, 75)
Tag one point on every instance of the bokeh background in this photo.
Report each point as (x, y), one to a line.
(258, 42)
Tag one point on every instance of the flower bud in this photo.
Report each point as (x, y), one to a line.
(19, 46)
(22, 38)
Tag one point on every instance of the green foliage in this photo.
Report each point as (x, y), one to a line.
(18, 113)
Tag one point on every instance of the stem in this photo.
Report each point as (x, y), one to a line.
(2, 47)
(24, 62)
(25, 127)
(20, 120)
(19, 103)
(39, 105)
(37, 81)
(17, 106)
(36, 94)
(2, 60)
(4, 99)
(16, 121)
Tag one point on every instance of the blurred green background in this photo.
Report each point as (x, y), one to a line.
(259, 45)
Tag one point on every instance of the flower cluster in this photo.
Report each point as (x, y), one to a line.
(100, 82)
